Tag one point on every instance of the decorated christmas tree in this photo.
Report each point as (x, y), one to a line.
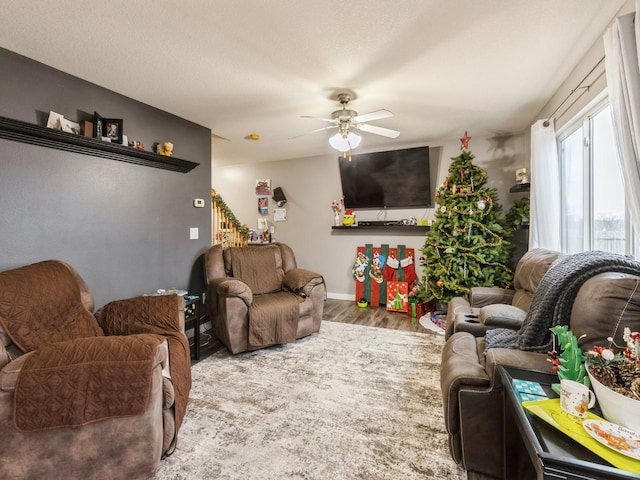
(467, 245)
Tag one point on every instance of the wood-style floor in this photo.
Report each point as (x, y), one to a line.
(346, 311)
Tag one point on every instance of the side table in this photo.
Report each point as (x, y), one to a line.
(536, 450)
(192, 306)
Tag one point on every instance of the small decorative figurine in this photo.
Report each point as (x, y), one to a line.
(165, 149)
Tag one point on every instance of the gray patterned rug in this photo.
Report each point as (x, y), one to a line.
(350, 402)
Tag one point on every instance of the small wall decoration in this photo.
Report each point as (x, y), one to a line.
(98, 126)
(69, 126)
(522, 176)
(86, 128)
(54, 121)
(165, 149)
(113, 129)
(108, 129)
(263, 205)
(263, 187)
(280, 215)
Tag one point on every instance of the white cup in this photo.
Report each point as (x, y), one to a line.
(575, 398)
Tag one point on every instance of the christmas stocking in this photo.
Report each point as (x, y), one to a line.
(390, 268)
(359, 266)
(409, 270)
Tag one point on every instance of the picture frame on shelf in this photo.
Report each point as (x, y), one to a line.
(69, 126)
(113, 129)
(86, 128)
(54, 121)
(98, 126)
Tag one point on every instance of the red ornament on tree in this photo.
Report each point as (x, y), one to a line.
(464, 141)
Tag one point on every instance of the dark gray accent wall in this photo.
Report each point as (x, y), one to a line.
(124, 227)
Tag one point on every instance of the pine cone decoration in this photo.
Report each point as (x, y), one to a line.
(635, 389)
(627, 373)
(605, 375)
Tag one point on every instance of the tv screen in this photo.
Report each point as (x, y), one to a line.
(394, 179)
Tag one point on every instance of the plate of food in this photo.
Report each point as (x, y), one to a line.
(616, 437)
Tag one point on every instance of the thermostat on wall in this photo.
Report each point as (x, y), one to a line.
(198, 202)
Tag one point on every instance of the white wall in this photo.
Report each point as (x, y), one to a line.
(310, 184)
(584, 85)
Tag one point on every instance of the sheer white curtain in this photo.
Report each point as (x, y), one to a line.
(623, 83)
(544, 230)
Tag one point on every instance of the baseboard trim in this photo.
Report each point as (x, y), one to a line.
(340, 296)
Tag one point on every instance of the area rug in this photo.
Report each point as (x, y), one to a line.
(350, 402)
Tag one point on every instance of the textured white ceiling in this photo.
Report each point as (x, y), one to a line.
(255, 66)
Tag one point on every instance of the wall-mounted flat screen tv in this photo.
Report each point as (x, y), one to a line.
(394, 179)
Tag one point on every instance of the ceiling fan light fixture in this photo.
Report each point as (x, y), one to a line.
(344, 143)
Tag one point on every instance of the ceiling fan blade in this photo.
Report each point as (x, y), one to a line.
(377, 115)
(331, 120)
(385, 132)
(314, 131)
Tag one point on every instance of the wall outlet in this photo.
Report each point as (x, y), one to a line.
(193, 233)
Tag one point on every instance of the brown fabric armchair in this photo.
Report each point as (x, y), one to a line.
(87, 397)
(492, 307)
(257, 296)
(471, 388)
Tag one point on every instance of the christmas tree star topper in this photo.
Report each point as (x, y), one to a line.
(464, 141)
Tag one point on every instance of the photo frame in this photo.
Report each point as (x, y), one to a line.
(263, 205)
(113, 129)
(69, 126)
(263, 187)
(54, 120)
(98, 126)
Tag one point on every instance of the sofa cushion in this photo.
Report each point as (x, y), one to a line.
(260, 267)
(529, 271)
(54, 314)
(600, 304)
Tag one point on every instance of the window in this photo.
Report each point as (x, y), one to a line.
(594, 214)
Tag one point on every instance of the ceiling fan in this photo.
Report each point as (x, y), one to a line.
(346, 120)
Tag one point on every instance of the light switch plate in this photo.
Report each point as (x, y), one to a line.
(198, 202)
(193, 233)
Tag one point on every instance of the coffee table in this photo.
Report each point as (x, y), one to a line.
(535, 449)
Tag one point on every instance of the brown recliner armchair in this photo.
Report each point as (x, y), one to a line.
(74, 402)
(257, 296)
(472, 392)
(493, 307)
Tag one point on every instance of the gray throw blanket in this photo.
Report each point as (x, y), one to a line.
(553, 299)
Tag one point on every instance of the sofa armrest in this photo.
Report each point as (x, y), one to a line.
(461, 367)
(482, 296)
(456, 306)
(515, 358)
(231, 287)
(502, 316)
(301, 281)
(9, 373)
(159, 314)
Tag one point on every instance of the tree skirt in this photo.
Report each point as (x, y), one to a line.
(350, 402)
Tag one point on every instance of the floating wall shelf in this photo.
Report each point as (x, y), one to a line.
(414, 229)
(47, 137)
(520, 187)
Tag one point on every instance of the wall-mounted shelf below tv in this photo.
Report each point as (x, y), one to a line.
(414, 229)
(33, 134)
